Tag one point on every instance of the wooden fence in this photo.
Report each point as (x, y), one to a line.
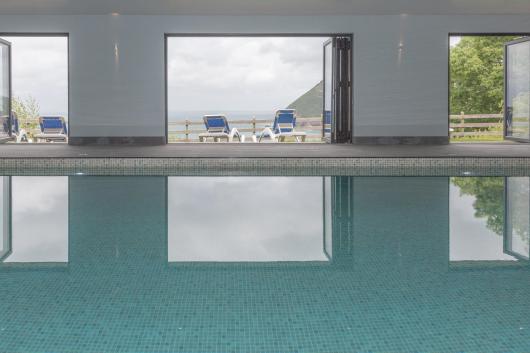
(476, 126)
(462, 126)
(188, 130)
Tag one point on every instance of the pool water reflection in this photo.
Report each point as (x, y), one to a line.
(264, 264)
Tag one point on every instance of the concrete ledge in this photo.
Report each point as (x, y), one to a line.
(401, 140)
(118, 140)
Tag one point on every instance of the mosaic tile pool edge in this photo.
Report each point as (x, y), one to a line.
(266, 166)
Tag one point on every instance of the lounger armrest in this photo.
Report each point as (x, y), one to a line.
(234, 132)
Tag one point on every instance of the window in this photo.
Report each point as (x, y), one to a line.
(478, 72)
(39, 89)
(258, 89)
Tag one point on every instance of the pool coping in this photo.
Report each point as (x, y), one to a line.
(391, 166)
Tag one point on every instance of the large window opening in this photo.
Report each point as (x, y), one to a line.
(258, 89)
(34, 76)
(488, 73)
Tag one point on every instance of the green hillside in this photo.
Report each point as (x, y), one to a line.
(310, 103)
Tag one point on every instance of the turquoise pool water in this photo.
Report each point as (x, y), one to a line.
(264, 264)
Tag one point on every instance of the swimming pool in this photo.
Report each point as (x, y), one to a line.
(264, 264)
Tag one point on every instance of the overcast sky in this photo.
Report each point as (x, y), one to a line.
(242, 73)
(454, 40)
(40, 70)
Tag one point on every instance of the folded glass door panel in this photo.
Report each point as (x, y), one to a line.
(336, 113)
(517, 90)
(327, 114)
(5, 90)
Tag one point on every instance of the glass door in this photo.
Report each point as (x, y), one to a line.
(336, 115)
(517, 90)
(5, 89)
(327, 115)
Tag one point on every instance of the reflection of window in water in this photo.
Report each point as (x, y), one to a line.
(476, 211)
(245, 219)
(490, 219)
(39, 231)
(5, 204)
(517, 216)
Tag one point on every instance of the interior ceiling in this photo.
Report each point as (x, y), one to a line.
(264, 7)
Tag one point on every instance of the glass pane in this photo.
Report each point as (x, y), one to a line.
(328, 89)
(518, 90)
(4, 89)
(517, 216)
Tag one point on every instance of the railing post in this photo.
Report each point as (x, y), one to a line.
(253, 125)
(323, 123)
(462, 120)
(187, 132)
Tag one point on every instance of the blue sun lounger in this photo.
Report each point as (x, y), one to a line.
(5, 135)
(217, 128)
(53, 129)
(283, 126)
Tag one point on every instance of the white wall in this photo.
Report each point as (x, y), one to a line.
(394, 95)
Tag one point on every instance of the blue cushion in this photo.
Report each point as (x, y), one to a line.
(216, 122)
(284, 116)
(53, 122)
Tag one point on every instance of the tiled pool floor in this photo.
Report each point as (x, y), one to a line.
(265, 264)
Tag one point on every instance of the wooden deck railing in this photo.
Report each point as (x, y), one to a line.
(478, 126)
(188, 130)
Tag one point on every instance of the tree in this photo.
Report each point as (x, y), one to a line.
(477, 75)
(27, 110)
